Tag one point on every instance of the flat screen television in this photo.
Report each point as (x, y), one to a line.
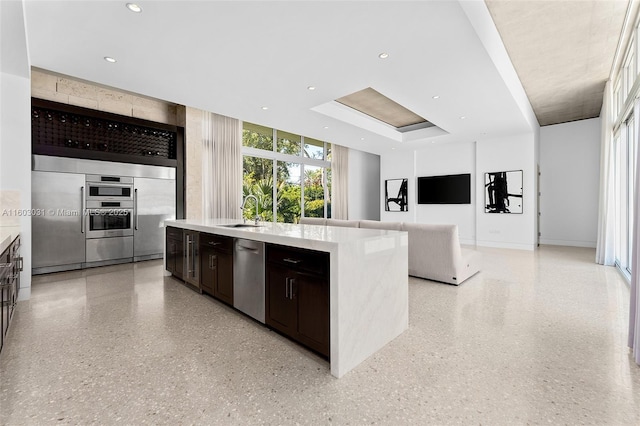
(449, 189)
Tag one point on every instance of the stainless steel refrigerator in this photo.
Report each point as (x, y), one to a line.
(154, 202)
(58, 223)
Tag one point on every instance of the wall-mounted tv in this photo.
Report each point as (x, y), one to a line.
(449, 189)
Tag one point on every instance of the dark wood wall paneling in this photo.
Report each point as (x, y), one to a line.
(70, 131)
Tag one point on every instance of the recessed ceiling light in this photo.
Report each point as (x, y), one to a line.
(436, 96)
(463, 117)
(311, 88)
(383, 55)
(361, 139)
(392, 149)
(265, 108)
(109, 59)
(326, 127)
(134, 7)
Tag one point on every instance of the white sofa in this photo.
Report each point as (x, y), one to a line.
(434, 250)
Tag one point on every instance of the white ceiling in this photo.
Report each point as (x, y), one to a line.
(233, 58)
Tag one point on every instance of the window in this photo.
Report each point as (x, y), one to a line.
(258, 181)
(256, 136)
(313, 148)
(625, 150)
(629, 70)
(314, 185)
(295, 171)
(288, 143)
(288, 189)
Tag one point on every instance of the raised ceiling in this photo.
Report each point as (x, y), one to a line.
(562, 51)
(375, 104)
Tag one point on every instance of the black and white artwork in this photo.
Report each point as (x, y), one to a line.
(503, 192)
(395, 195)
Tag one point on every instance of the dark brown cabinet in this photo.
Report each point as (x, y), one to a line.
(10, 268)
(175, 252)
(216, 266)
(297, 302)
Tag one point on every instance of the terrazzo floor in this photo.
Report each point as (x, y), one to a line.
(535, 338)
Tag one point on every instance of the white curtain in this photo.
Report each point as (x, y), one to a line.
(606, 213)
(221, 166)
(634, 309)
(339, 182)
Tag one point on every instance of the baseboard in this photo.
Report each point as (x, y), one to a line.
(499, 244)
(570, 243)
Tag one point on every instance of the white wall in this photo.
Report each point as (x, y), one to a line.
(15, 127)
(448, 159)
(398, 165)
(569, 183)
(516, 152)
(507, 230)
(364, 185)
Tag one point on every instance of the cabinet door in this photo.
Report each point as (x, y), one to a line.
(191, 259)
(281, 308)
(208, 270)
(58, 239)
(312, 295)
(174, 257)
(224, 280)
(155, 202)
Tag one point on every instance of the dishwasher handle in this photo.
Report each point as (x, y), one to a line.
(250, 250)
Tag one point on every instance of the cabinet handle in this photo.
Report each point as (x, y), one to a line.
(21, 259)
(294, 261)
(189, 242)
(213, 243)
(286, 288)
(82, 201)
(135, 206)
(212, 257)
(291, 283)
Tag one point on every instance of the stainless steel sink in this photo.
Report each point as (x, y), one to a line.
(241, 225)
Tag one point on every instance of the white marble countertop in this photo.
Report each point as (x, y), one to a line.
(7, 235)
(322, 238)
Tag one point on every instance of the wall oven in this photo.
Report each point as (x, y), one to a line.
(105, 219)
(109, 188)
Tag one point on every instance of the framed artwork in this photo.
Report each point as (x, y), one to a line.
(503, 192)
(396, 195)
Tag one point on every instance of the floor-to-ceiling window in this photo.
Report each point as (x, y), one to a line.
(625, 146)
(295, 171)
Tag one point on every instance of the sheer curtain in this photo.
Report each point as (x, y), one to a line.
(634, 309)
(340, 182)
(606, 213)
(221, 166)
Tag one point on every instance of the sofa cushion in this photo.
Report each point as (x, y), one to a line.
(376, 224)
(313, 221)
(344, 223)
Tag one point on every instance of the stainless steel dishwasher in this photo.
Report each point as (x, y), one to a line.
(248, 278)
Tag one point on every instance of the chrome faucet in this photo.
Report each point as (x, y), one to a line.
(257, 218)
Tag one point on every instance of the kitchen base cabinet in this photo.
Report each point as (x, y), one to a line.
(10, 268)
(216, 266)
(174, 252)
(297, 302)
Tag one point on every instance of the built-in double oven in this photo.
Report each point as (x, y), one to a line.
(109, 217)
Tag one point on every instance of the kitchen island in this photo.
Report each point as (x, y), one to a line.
(368, 280)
